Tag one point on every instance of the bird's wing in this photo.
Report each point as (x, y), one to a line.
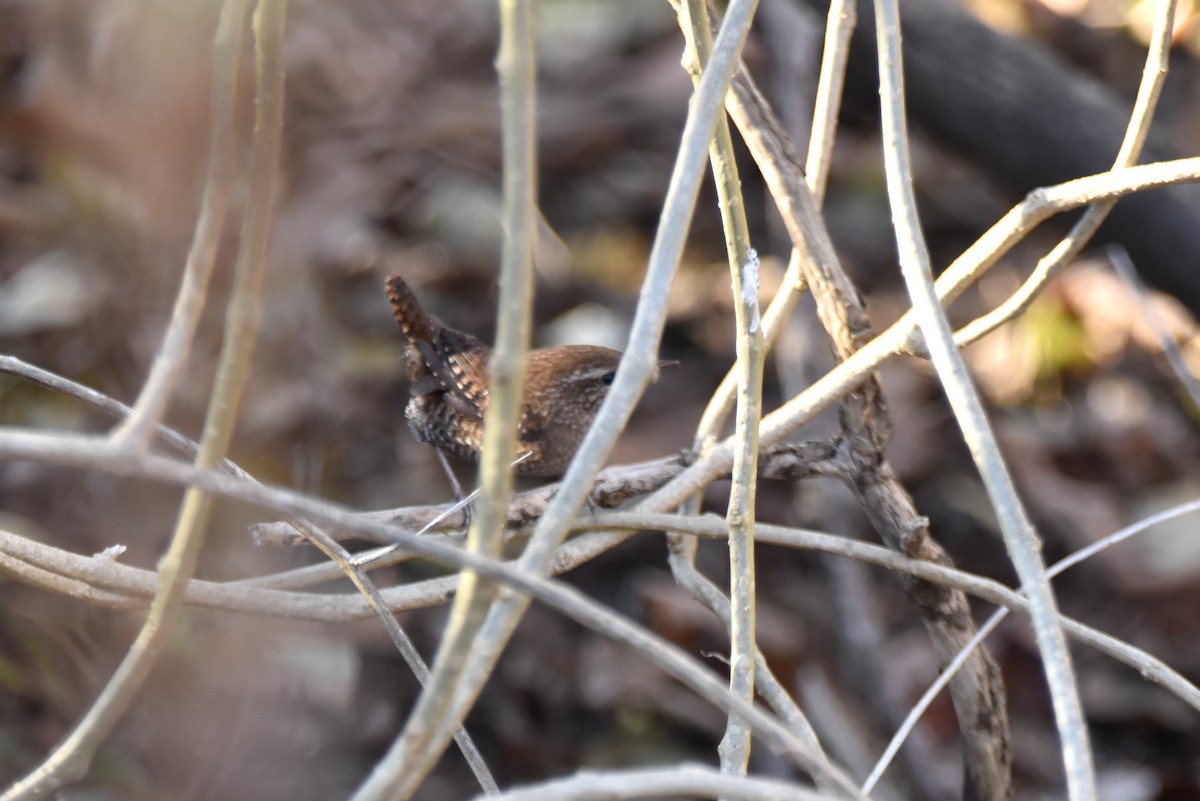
(458, 363)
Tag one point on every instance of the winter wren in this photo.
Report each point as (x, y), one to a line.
(564, 387)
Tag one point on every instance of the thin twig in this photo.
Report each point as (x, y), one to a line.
(612, 487)
(1038, 206)
(82, 452)
(840, 22)
(62, 580)
(638, 366)
(681, 550)
(1124, 267)
(416, 749)
(1020, 538)
(735, 745)
(71, 758)
(1154, 74)
(1045, 202)
(677, 781)
(167, 369)
(997, 617)
(734, 748)
(919, 708)
(978, 692)
(351, 568)
(772, 147)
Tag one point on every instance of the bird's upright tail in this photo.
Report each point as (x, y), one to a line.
(414, 322)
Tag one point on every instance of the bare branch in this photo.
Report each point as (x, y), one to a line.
(71, 758)
(1023, 545)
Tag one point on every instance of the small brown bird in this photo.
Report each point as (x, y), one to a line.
(564, 387)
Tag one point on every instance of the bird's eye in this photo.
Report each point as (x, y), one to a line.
(607, 379)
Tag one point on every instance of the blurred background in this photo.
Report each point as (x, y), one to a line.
(391, 164)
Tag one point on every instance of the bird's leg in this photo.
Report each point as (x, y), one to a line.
(459, 496)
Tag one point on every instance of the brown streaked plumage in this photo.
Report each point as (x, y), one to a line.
(564, 387)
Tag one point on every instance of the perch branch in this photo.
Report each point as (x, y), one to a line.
(82, 452)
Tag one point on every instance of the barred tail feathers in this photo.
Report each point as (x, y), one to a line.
(414, 322)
